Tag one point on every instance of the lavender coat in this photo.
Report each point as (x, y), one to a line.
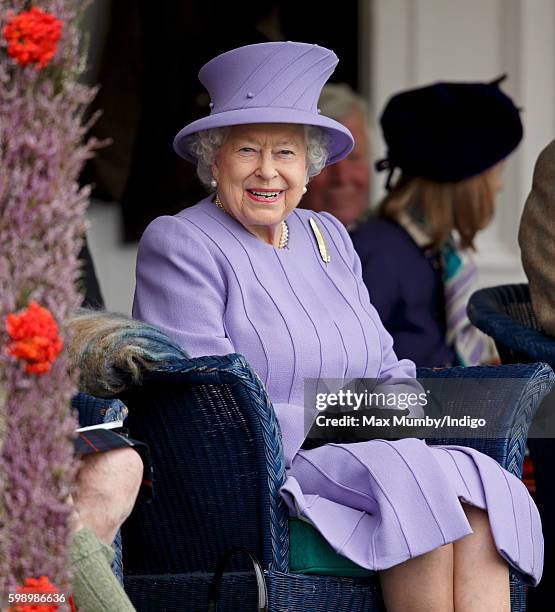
(215, 288)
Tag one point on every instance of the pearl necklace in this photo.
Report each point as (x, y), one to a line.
(284, 237)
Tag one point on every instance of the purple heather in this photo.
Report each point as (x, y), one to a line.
(43, 148)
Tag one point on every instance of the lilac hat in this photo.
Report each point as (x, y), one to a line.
(275, 82)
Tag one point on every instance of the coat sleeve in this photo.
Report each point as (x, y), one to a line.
(536, 239)
(380, 274)
(180, 288)
(381, 279)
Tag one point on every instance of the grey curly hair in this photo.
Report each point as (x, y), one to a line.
(204, 146)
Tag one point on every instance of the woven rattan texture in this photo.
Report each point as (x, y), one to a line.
(505, 313)
(219, 465)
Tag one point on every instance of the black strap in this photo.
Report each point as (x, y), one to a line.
(214, 593)
(385, 164)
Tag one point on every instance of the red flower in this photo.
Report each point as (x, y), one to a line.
(40, 586)
(32, 37)
(35, 338)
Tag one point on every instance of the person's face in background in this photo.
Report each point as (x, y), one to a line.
(342, 189)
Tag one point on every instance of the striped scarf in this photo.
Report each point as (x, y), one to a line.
(459, 279)
(459, 273)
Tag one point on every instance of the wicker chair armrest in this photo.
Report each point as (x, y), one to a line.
(529, 383)
(490, 311)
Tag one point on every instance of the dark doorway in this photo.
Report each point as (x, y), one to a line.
(149, 87)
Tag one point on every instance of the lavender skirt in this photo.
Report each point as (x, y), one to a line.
(380, 503)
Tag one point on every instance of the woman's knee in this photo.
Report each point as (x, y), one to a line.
(421, 583)
(479, 521)
(130, 466)
(479, 544)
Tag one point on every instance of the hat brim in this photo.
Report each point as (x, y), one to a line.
(340, 138)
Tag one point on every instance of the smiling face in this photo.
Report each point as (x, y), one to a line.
(261, 171)
(342, 189)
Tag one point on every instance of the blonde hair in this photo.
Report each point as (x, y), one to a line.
(466, 206)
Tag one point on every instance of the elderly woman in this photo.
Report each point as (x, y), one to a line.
(246, 271)
(449, 142)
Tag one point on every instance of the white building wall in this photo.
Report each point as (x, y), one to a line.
(415, 42)
(113, 260)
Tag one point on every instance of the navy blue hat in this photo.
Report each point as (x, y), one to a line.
(448, 132)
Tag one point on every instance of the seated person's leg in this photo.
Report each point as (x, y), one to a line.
(481, 575)
(421, 583)
(95, 588)
(107, 487)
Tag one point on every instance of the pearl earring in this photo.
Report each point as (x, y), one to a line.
(213, 183)
(304, 189)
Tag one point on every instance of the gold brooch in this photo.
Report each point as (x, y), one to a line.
(320, 240)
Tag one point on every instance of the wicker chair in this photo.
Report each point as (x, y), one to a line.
(217, 453)
(505, 313)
